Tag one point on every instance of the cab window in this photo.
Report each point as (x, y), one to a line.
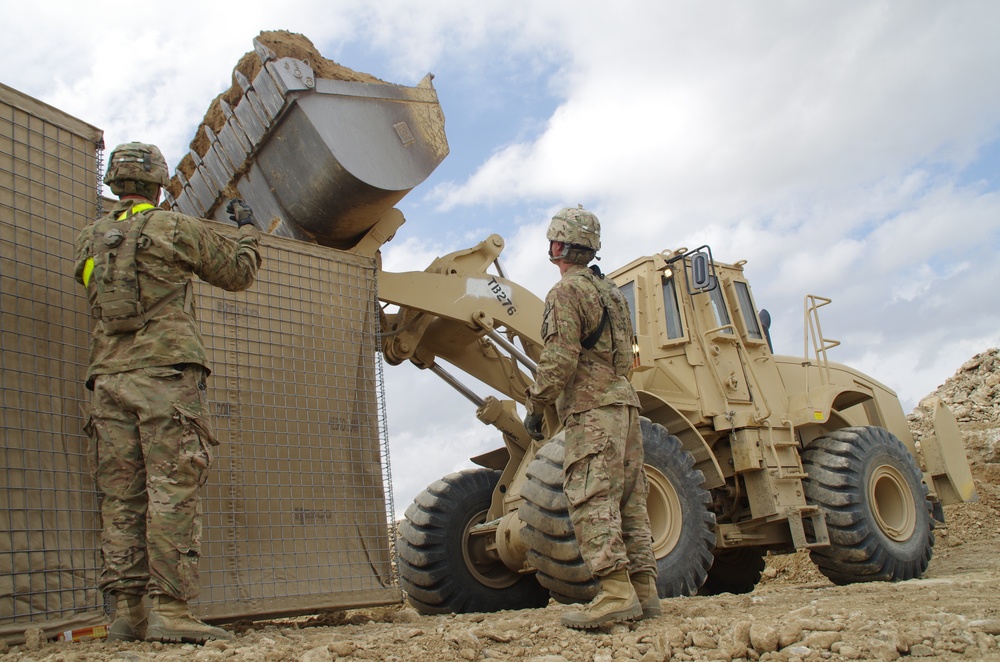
(675, 329)
(628, 289)
(719, 310)
(747, 310)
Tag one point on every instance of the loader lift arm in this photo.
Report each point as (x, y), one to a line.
(455, 310)
(458, 312)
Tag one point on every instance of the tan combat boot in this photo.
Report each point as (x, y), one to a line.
(616, 601)
(171, 621)
(130, 618)
(645, 588)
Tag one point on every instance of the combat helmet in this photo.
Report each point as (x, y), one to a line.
(580, 233)
(137, 168)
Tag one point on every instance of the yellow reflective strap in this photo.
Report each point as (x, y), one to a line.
(88, 267)
(135, 209)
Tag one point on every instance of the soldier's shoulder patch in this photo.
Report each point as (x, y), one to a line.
(547, 326)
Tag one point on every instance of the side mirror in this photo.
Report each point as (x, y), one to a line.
(701, 272)
(700, 269)
(765, 321)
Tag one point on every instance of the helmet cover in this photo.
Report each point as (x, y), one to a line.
(576, 227)
(137, 162)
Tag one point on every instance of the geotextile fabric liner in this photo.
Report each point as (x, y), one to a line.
(295, 510)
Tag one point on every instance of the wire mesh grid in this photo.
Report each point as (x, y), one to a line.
(296, 506)
(50, 532)
(297, 503)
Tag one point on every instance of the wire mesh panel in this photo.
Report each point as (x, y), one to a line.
(297, 502)
(296, 506)
(49, 521)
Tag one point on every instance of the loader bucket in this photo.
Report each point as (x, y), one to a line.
(317, 159)
(945, 458)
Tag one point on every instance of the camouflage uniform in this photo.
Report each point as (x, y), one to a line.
(604, 479)
(149, 425)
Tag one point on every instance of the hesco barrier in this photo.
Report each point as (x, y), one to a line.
(295, 510)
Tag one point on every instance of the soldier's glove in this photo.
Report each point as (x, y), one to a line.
(240, 212)
(533, 424)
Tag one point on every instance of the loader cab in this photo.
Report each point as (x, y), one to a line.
(697, 329)
(672, 294)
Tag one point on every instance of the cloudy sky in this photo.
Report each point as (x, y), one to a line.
(847, 149)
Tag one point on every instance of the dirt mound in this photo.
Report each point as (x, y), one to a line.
(973, 395)
(284, 44)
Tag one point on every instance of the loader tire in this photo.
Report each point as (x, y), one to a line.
(548, 532)
(680, 514)
(735, 571)
(680, 520)
(878, 516)
(442, 568)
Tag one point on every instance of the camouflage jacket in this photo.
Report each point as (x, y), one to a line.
(179, 248)
(568, 377)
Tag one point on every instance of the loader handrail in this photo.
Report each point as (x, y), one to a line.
(814, 332)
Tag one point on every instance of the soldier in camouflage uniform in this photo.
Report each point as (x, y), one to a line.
(152, 443)
(583, 370)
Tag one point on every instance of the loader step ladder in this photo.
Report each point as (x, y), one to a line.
(817, 536)
(783, 448)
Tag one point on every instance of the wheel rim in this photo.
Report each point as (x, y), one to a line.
(665, 515)
(487, 569)
(892, 503)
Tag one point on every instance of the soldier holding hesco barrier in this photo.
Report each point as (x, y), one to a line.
(151, 439)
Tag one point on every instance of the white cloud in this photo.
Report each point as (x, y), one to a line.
(822, 142)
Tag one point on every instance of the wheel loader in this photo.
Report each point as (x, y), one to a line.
(747, 452)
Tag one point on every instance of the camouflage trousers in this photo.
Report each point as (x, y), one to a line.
(151, 449)
(606, 487)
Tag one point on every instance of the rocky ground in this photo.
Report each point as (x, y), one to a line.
(952, 613)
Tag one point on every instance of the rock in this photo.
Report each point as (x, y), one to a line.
(880, 650)
(33, 639)
(921, 650)
(821, 640)
(849, 652)
(986, 643)
(820, 625)
(464, 639)
(803, 612)
(789, 633)
(737, 651)
(763, 638)
(405, 616)
(741, 633)
(342, 648)
(973, 363)
(318, 654)
(661, 644)
(989, 626)
(675, 636)
(700, 639)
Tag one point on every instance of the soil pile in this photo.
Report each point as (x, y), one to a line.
(973, 395)
(283, 44)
